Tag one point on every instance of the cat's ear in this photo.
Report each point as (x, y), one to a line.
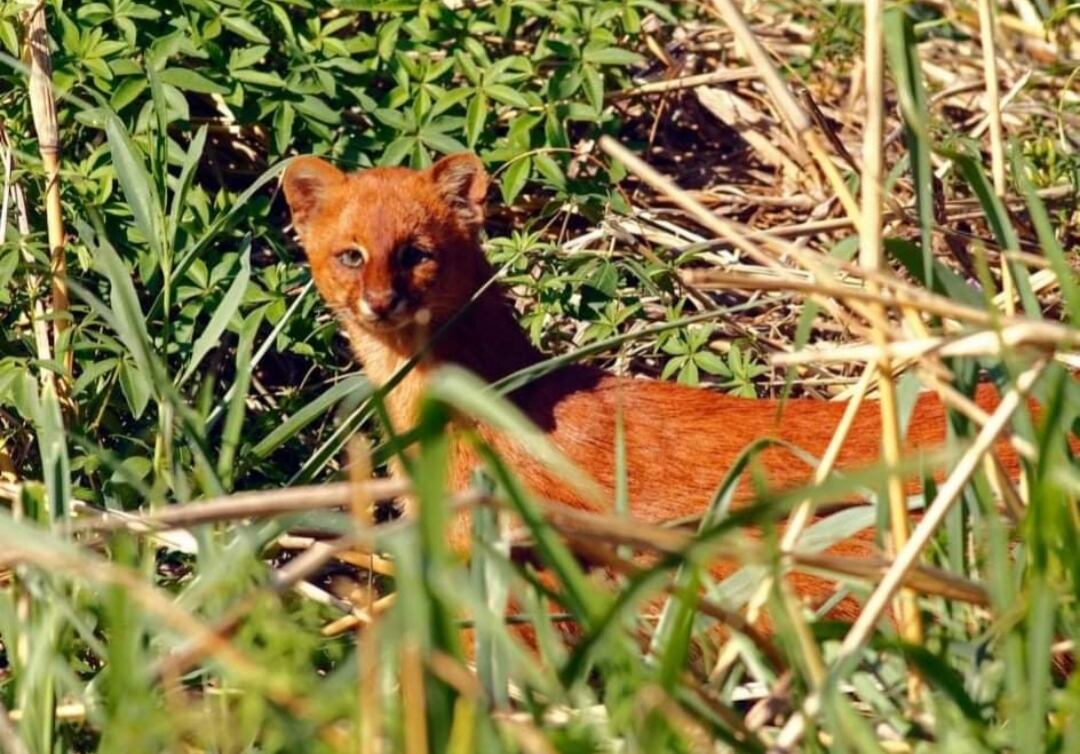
(462, 183)
(308, 181)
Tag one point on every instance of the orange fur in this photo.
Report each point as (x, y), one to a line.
(679, 441)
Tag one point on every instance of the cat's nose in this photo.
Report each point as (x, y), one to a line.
(378, 305)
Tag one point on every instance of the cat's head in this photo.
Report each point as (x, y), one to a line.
(391, 248)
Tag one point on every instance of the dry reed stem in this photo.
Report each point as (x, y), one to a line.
(835, 288)
(369, 703)
(723, 76)
(805, 509)
(993, 95)
(367, 560)
(906, 558)
(351, 621)
(256, 504)
(997, 143)
(981, 343)
(414, 701)
(957, 401)
(70, 712)
(871, 258)
(44, 113)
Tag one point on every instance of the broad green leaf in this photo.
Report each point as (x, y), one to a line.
(243, 27)
(138, 188)
(515, 178)
(191, 81)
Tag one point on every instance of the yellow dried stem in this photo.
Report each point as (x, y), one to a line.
(870, 257)
(997, 143)
(43, 108)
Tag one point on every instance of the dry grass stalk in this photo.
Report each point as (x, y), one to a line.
(44, 112)
(367, 560)
(257, 504)
(871, 257)
(592, 528)
(1039, 336)
(835, 288)
(957, 401)
(723, 76)
(906, 558)
(414, 702)
(805, 509)
(353, 621)
(369, 703)
(997, 143)
(993, 95)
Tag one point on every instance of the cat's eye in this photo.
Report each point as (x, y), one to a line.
(411, 256)
(351, 258)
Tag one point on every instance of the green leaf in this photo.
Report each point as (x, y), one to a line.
(997, 216)
(903, 55)
(243, 27)
(441, 142)
(550, 170)
(1051, 246)
(126, 316)
(183, 184)
(283, 127)
(506, 95)
(234, 417)
(135, 181)
(711, 363)
(475, 117)
(247, 57)
(315, 108)
(136, 388)
(191, 81)
(515, 178)
(611, 56)
(259, 78)
(594, 86)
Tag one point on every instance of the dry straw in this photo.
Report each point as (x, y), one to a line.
(43, 108)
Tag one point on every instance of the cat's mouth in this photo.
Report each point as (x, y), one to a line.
(404, 317)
